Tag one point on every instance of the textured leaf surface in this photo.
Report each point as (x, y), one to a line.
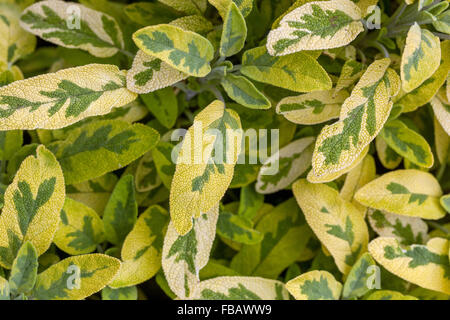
(100, 147)
(205, 164)
(53, 101)
(185, 255)
(234, 32)
(441, 108)
(183, 50)
(75, 278)
(56, 22)
(427, 266)
(316, 25)
(142, 250)
(356, 284)
(298, 72)
(406, 192)
(315, 285)
(24, 269)
(337, 223)
(241, 90)
(240, 288)
(80, 229)
(421, 57)
(32, 205)
(312, 108)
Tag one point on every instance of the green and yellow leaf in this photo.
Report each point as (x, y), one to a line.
(358, 283)
(315, 285)
(312, 108)
(187, 6)
(205, 164)
(388, 295)
(234, 32)
(146, 175)
(421, 57)
(75, 278)
(237, 229)
(337, 223)
(162, 157)
(316, 25)
(126, 293)
(80, 229)
(244, 92)
(32, 205)
(240, 288)
(387, 156)
(245, 6)
(362, 117)
(445, 202)
(441, 108)
(407, 143)
(57, 22)
(406, 192)
(297, 72)
(4, 289)
(142, 249)
(24, 269)
(427, 266)
(183, 256)
(56, 100)
(183, 50)
(285, 166)
(350, 73)
(101, 147)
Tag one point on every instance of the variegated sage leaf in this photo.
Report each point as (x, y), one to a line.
(441, 108)
(297, 72)
(205, 164)
(387, 156)
(407, 143)
(162, 157)
(427, 266)
(445, 202)
(358, 280)
(126, 293)
(146, 175)
(15, 42)
(407, 230)
(285, 166)
(10, 142)
(337, 223)
(24, 269)
(245, 6)
(101, 147)
(149, 74)
(32, 205)
(350, 73)
(388, 295)
(421, 57)
(316, 25)
(183, 50)
(187, 6)
(237, 229)
(428, 89)
(240, 288)
(4, 289)
(183, 256)
(142, 249)
(234, 32)
(151, 13)
(315, 285)
(406, 192)
(312, 108)
(244, 92)
(362, 117)
(163, 105)
(80, 229)
(52, 101)
(121, 211)
(86, 29)
(75, 278)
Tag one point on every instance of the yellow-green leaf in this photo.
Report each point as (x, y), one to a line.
(285, 166)
(298, 72)
(149, 74)
(441, 108)
(245, 6)
(234, 32)
(388, 295)
(100, 147)
(72, 25)
(406, 192)
(4, 289)
(312, 108)
(421, 57)
(407, 143)
(387, 156)
(205, 164)
(316, 25)
(337, 223)
(427, 266)
(15, 42)
(80, 229)
(183, 50)
(445, 202)
(244, 92)
(351, 71)
(240, 288)
(75, 278)
(315, 285)
(56, 100)
(126, 293)
(362, 117)
(187, 6)
(24, 269)
(32, 205)
(142, 249)
(358, 282)
(183, 256)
